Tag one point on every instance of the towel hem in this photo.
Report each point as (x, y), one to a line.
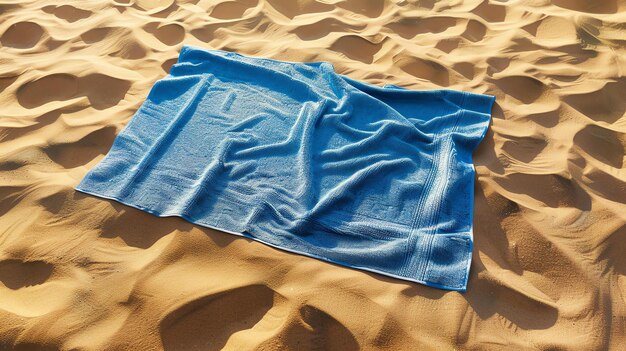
(303, 253)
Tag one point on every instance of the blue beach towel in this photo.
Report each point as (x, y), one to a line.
(304, 159)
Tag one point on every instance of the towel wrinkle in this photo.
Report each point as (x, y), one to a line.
(304, 159)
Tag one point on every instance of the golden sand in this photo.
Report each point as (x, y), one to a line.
(549, 266)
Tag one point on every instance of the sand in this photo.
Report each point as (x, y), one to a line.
(549, 266)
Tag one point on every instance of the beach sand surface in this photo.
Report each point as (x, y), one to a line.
(549, 266)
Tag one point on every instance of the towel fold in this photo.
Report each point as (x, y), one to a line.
(299, 157)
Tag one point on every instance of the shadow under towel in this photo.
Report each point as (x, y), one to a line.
(299, 157)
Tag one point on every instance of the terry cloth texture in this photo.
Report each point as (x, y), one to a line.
(299, 157)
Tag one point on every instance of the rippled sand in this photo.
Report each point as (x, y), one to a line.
(83, 273)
